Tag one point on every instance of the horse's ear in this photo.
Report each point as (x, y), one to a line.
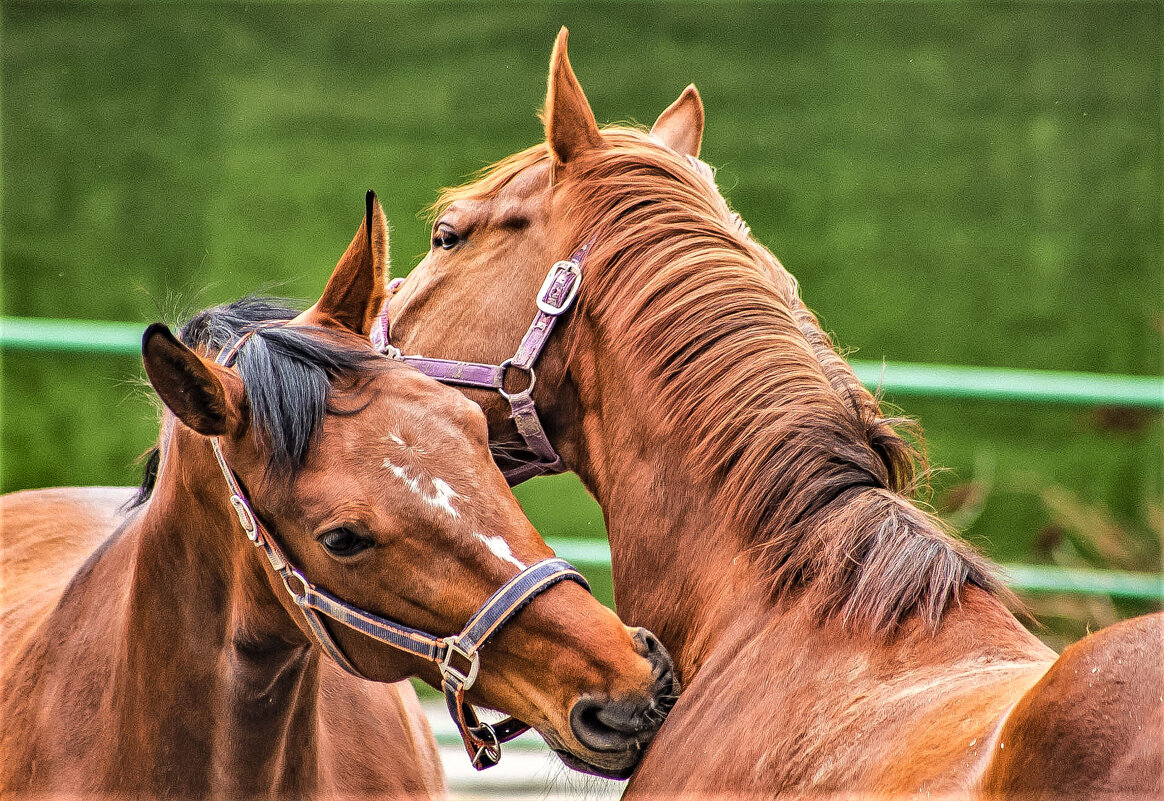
(569, 122)
(202, 395)
(680, 126)
(356, 289)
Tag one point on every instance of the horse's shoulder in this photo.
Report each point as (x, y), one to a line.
(914, 714)
(1094, 723)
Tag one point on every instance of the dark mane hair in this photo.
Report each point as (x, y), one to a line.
(287, 374)
(818, 481)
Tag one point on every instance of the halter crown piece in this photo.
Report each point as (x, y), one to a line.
(554, 299)
(457, 657)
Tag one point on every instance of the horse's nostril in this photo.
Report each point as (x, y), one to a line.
(610, 726)
(621, 725)
(647, 645)
(666, 683)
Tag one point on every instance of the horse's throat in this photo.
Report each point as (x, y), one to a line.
(676, 571)
(214, 681)
(268, 711)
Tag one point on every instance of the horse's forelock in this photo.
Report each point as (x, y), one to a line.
(287, 374)
(209, 331)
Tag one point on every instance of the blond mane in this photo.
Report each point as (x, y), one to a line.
(812, 474)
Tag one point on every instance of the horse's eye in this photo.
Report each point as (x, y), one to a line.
(445, 237)
(344, 542)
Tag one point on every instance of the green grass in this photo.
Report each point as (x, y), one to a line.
(970, 183)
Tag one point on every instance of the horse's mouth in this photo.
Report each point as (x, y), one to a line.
(611, 771)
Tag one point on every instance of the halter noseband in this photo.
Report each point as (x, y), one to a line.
(554, 299)
(457, 657)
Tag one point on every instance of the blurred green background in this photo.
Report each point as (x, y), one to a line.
(956, 182)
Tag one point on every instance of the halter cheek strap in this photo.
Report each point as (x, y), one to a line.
(457, 657)
(556, 296)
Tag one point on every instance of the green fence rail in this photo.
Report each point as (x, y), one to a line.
(982, 383)
(102, 337)
(71, 336)
(595, 555)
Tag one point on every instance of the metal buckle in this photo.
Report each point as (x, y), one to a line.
(299, 597)
(246, 517)
(560, 267)
(446, 668)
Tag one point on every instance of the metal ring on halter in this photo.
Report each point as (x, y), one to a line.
(492, 749)
(505, 365)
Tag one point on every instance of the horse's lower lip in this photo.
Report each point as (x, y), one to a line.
(577, 763)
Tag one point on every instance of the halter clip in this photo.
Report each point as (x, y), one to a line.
(465, 680)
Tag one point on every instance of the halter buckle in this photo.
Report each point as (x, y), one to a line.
(291, 573)
(564, 266)
(464, 679)
(246, 517)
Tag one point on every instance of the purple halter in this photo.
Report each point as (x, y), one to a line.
(554, 299)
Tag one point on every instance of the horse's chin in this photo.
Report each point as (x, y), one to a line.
(607, 771)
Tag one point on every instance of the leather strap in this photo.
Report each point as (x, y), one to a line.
(556, 296)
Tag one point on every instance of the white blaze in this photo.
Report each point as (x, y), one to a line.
(442, 496)
(439, 496)
(500, 549)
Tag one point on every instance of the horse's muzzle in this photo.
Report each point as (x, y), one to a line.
(618, 730)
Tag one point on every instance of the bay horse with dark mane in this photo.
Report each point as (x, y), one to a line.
(830, 636)
(316, 510)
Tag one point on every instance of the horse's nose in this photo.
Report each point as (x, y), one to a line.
(625, 723)
(666, 683)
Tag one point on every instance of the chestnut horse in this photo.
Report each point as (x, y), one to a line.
(185, 655)
(830, 636)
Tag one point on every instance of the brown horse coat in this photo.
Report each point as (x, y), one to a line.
(832, 637)
(171, 660)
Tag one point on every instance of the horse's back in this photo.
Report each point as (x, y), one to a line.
(385, 723)
(1093, 727)
(45, 536)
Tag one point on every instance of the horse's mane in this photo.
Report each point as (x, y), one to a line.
(809, 469)
(286, 372)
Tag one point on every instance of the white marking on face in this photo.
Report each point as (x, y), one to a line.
(410, 448)
(500, 549)
(440, 496)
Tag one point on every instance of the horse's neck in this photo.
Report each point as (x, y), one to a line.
(679, 567)
(208, 671)
(675, 570)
